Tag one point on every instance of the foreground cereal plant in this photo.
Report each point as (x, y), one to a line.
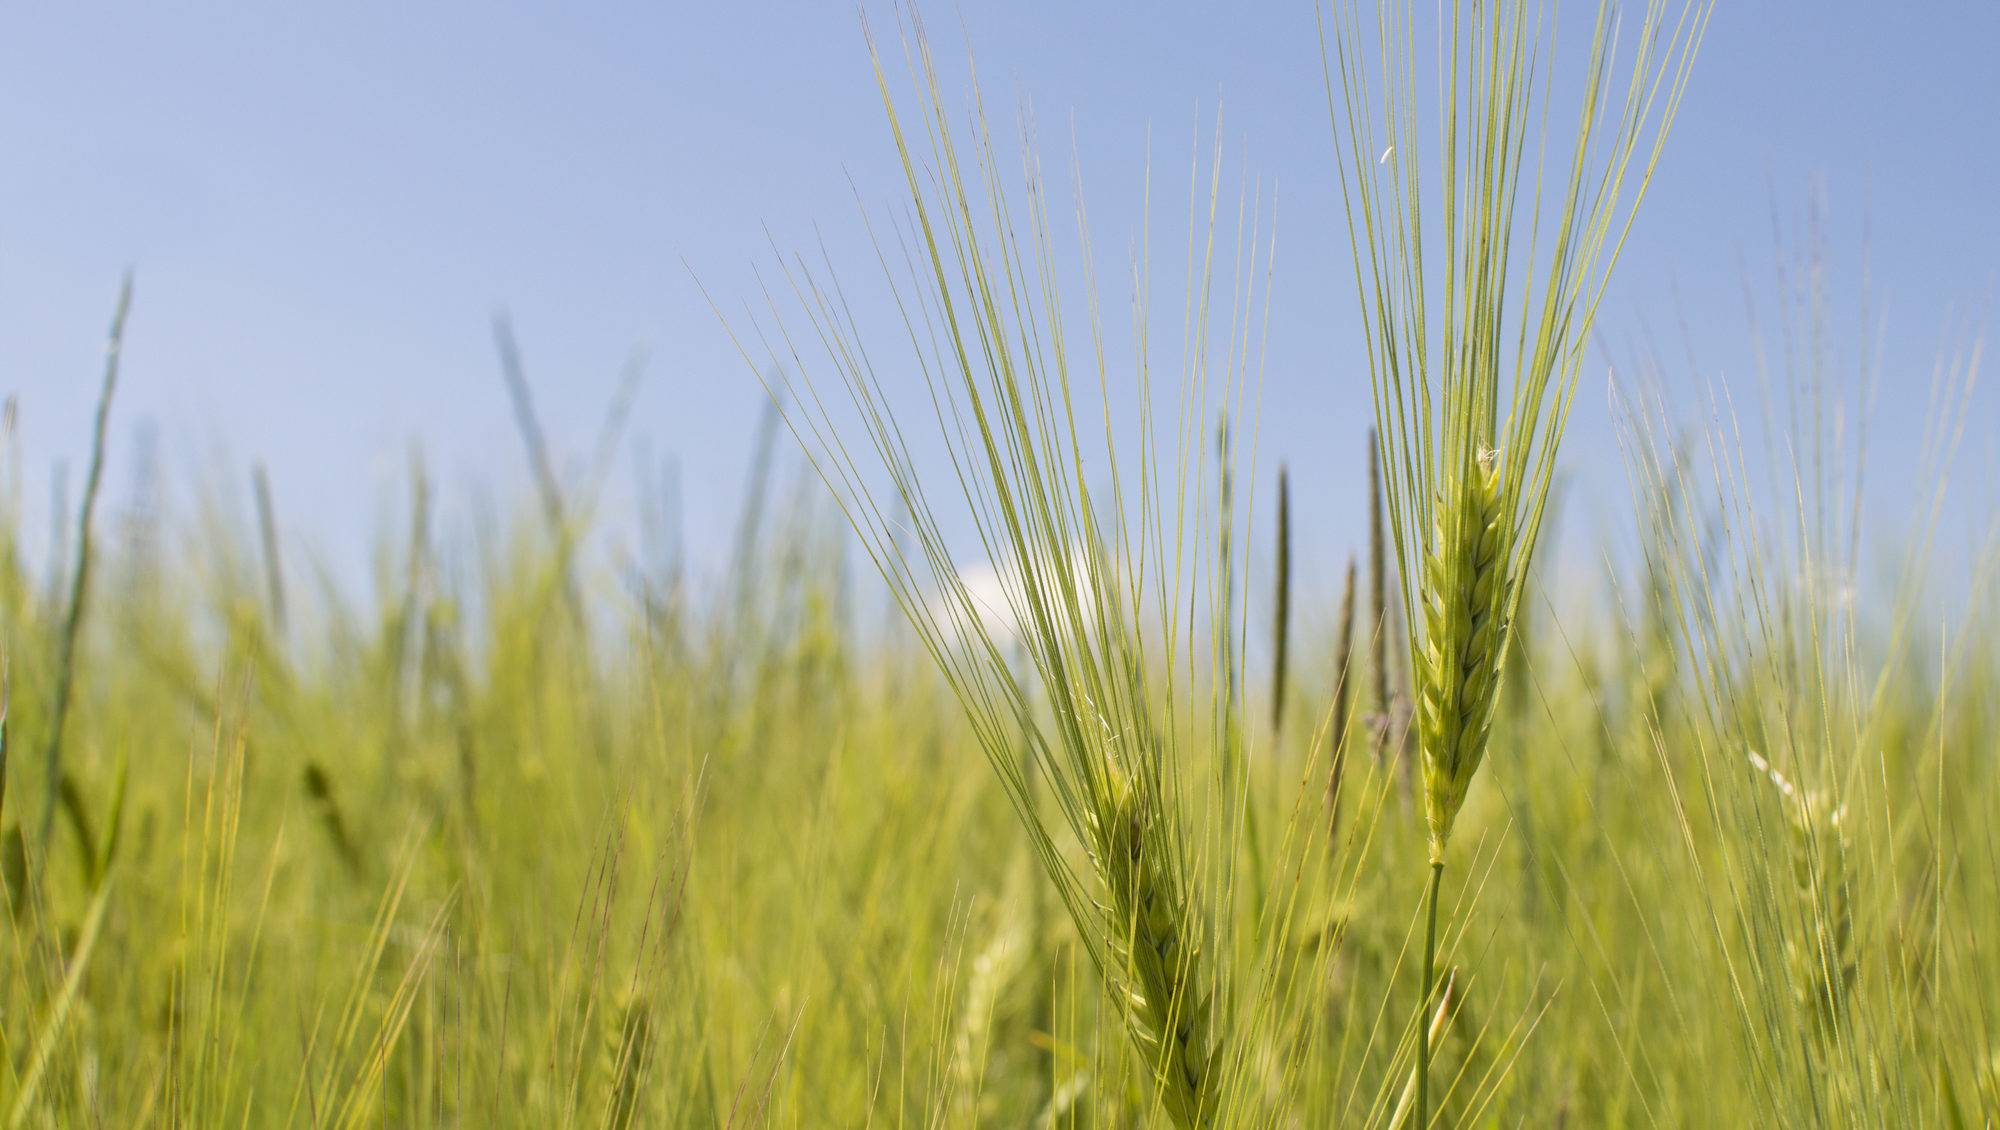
(1475, 356)
(1078, 664)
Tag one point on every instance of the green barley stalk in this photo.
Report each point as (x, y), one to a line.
(79, 588)
(1823, 962)
(1282, 615)
(555, 512)
(1342, 695)
(267, 529)
(1378, 600)
(1093, 646)
(6, 704)
(522, 399)
(1442, 1017)
(1474, 357)
(46, 1043)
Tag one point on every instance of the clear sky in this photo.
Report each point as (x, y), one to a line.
(325, 203)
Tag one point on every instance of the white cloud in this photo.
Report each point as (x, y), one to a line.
(998, 600)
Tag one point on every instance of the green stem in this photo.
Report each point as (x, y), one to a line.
(1424, 1006)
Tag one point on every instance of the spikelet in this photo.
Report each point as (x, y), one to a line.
(1465, 589)
(1157, 960)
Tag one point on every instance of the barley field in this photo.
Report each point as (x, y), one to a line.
(1016, 771)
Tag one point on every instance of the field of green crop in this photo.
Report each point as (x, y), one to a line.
(1110, 831)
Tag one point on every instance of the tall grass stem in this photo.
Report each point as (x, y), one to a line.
(1423, 1005)
(80, 581)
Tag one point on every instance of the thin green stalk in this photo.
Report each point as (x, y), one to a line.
(65, 1003)
(6, 703)
(79, 582)
(522, 399)
(1423, 1005)
(267, 529)
(1281, 631)
(756, 491)
(554, 509)
(1226, 569)
(1378, 596)
(1342, 696)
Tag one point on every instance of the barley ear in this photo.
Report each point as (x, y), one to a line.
(1157, 957)
(1466, 587)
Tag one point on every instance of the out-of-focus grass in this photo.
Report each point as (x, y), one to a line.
(460, 858)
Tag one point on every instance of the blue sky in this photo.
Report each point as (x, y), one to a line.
(325, 204)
